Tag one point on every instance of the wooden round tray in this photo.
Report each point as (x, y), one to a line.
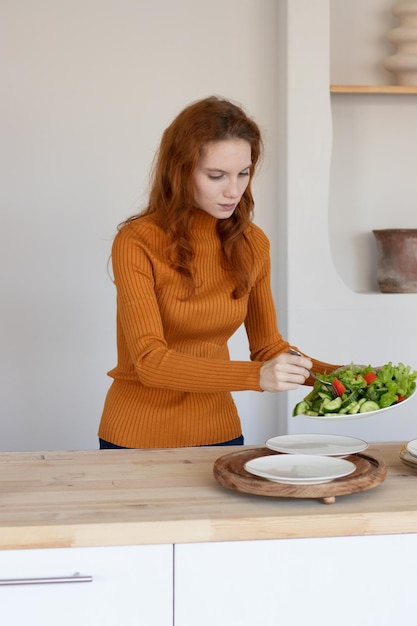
(230, 472)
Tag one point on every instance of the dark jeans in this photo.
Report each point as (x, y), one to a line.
(239, 441)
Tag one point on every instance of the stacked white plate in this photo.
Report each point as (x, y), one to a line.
(307, 459)
(412, 447)
(408, 454)
(311, 443)
(300, 469)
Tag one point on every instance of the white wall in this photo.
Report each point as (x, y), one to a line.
(88, 86)
(373, 172)
(331, 159)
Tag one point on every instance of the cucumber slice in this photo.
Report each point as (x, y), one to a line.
(301, 407)
(353, 397)
(369, 405)
(354, 408)
(322, 405)
(324, 395)
(332, 406)
(344, 410)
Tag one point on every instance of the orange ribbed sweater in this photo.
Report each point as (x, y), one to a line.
(173, 378)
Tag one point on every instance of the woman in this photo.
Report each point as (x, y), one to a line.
(189, 270)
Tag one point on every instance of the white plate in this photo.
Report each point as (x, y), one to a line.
(299, 469)
(327, 445)
(412, 447)
(355, 416)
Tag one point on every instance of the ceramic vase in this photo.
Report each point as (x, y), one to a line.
(397, 259)
(404, 63)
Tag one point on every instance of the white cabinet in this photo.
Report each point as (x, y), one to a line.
(326, 581)
(340, 580)
(129, 585)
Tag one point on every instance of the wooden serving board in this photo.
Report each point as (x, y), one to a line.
(230, 472)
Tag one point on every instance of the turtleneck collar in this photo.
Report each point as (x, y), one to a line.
(202, 219)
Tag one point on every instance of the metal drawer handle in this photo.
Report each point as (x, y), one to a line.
(75, 578)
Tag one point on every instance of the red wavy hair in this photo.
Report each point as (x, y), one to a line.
(171, 196)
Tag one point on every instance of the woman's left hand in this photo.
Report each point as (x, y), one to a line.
(284, 372)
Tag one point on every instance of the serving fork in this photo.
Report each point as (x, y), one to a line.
(330, 387)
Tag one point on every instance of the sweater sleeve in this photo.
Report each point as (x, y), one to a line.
(155, 363)
(265, 340)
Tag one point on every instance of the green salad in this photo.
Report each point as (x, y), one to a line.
(360, 390)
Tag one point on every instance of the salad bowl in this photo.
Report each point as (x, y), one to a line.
(339, 417)
(363, 391)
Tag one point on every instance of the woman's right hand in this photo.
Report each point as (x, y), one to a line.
(284, 372)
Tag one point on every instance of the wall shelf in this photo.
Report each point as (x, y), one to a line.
(374, 89)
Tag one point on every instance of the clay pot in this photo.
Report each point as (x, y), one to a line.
(397, 259)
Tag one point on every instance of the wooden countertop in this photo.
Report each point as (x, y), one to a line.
(122, 497)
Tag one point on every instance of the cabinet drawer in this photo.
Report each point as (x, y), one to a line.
(107, 586)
